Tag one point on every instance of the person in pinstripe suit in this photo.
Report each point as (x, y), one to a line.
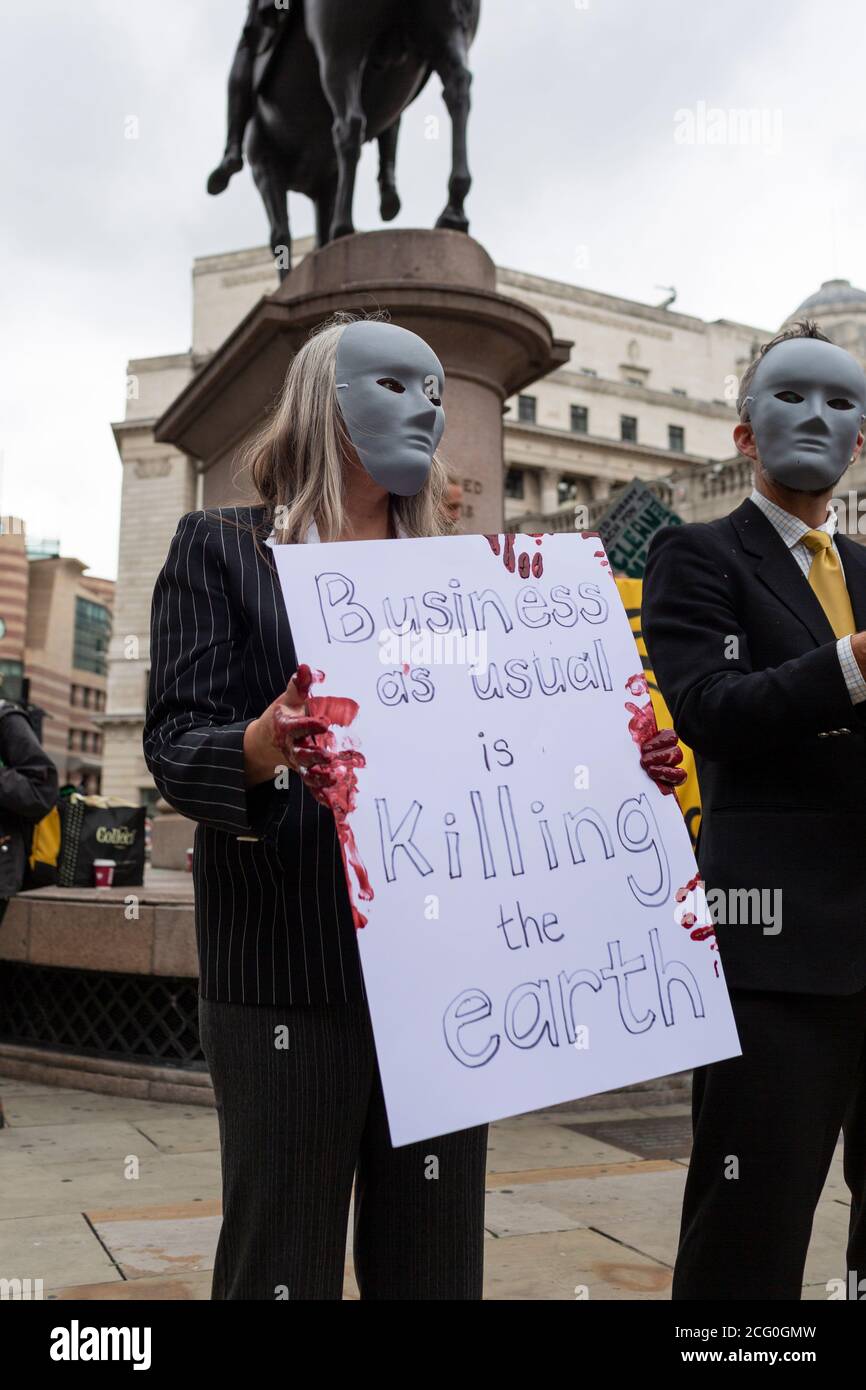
(283, 1016)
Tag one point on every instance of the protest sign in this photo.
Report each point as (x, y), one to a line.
(629, 525)
(535, 931)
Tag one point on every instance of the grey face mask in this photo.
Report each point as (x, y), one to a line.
(389, 389)
(806, 407)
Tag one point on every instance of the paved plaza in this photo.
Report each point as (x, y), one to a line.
(106, 1197)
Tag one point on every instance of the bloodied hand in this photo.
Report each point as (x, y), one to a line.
(285, 736)
(660, 755)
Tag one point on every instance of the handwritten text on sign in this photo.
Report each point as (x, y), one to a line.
(535, 931)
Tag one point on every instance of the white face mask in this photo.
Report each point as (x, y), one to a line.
(389, 389)
(806, 406)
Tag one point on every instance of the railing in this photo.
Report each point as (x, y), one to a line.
(584, 516)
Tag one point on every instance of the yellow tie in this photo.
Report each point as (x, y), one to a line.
(828, 583)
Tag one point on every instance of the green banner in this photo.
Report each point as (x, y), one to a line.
(629, 525)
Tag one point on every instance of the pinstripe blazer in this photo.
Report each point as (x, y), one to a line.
(272, 913)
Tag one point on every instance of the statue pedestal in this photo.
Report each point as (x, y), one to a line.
(439, 284)
(170, 837)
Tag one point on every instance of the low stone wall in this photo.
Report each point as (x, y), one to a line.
(145, 931)
(139, 1079)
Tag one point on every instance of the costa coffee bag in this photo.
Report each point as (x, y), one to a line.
(95, 828)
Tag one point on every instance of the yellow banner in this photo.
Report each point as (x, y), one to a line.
(688, 795)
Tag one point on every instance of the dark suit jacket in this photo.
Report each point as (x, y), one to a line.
(273, 919)
(747, 663)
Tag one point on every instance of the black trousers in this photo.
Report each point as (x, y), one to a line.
(765, 1127)
(301, 1120)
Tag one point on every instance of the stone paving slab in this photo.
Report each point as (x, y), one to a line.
(64, 1143)
(574, 1265)
(58, 1249)
(826, 1258)
(142, 1247)
(641, 1209)
(183, 1129)
(658, 1111)
(171, 1287)
(51, 1105)
(24, 1086)
(566, 1117)
(54, 1188)
(543, 1145)
(511, 1212)
(525, 1176)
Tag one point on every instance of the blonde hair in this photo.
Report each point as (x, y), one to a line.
(296, 460)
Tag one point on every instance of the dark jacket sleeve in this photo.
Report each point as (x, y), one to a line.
(699, 652)
(193, 733)
(28, 781)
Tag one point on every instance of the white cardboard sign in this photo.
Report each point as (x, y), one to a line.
(525, 942)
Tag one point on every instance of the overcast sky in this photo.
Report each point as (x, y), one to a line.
(580, 170)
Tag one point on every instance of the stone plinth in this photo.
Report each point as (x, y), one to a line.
(170, 837)
(439, 284)
(145, 931)
(103, 929)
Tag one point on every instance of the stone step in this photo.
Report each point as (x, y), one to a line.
(661, 1090)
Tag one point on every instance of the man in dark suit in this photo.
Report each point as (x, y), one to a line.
(755, 628)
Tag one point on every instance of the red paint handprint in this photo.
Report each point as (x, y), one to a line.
(525, 565)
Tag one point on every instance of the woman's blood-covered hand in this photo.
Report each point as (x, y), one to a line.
(284, 736)
(659, 757)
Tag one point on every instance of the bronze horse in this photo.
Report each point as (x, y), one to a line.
(337, 73)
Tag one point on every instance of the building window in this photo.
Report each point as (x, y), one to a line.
(92, 630)
(628, 428)
(677, 439)
(11, 680)
(526, 410)
(678, 391)
(514, 483)
(634, 381)
(589, 371)
(566, 490)
(580, 419)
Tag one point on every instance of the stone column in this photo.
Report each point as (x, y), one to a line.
(158, 487)
(549, 490)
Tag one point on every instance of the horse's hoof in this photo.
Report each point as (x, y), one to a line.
(218, 181)
(389, 204)
(341, 229)
(453, 221)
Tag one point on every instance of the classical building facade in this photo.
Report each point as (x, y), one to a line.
(55, 623)
(648, 393)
